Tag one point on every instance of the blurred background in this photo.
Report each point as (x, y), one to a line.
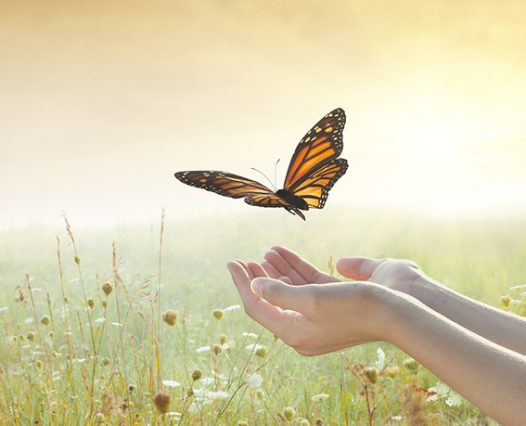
(101, 102)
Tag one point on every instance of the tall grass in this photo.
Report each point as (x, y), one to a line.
(139, 324)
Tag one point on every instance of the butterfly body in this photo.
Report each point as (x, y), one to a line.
(313, 170)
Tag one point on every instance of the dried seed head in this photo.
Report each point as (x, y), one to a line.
(104, 304)
(505, 301)
(91, 303)
(66, 300)
(38, 364)
(261, 351)
(216, 349)
(259, 394)
(304, 422)
(218, 314)
(161, 400)
(30, 336)
(170, 317)
(45, 320)
(107, 288)
(77, 260)
(242, 423)
(372, 374)
(106, 362)
(392, 372)
(190, 392)
(99, 418)
(222, 339)
(289, 413)
(196, 375)
(411, 364)
(131, 388)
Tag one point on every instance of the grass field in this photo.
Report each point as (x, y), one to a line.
(72, 354)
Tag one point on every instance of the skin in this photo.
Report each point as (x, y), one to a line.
(479, 351)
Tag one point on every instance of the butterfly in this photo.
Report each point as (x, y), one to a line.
(313, 170)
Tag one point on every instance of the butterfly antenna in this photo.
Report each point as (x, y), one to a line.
(276, 173)
(265, 176)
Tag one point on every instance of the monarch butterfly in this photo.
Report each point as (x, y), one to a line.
(313, 170)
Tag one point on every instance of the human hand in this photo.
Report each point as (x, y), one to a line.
(314, 319)
(399, 275)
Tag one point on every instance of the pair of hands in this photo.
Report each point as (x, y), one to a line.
(314, 312)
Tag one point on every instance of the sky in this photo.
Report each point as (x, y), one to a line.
(102, 101)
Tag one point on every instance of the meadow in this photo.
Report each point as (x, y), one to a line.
(140, 324)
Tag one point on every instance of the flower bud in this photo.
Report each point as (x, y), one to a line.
(196, 375)
(161, 400)
(218, 314)
(289, 413)
(107, 288)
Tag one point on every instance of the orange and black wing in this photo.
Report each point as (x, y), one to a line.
(226, 184)
(320, 146)
(272, 200)
(314, 189)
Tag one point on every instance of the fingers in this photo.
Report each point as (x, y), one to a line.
(281, 266)
(307, 271)
(268, 315)
(286, 296)
(357, 268)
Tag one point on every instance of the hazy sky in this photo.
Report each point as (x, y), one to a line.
(101, 101)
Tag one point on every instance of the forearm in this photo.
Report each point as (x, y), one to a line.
(492, 377)
(501, 327)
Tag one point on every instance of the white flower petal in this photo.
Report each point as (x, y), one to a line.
(319, 397)
(255, 380)
(380, 359)
(203, 349)
(171, 383)
(231, 308)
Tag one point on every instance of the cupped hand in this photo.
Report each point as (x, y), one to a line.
(312, 318)
(286, 265)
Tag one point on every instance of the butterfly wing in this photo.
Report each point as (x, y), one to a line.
(321, 145)
(225, 184)
(314, 188)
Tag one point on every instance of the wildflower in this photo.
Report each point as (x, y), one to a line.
(174, 414)
(38, 364)
(30, 336)
(66, 300)
(218, 314)
(231, 308)
(372, 374)
(100, 320)
(107, 288)
(255, 380)
(45, 320)
(304, 422)
(259, 394)
(289, 413)
(170, 317)
(196, 375)
(91, 303)
(116, 324)
(99, 418)
(161, 400)
(106, 362)
(131, 388)
(411, 364)
(454, 400)
(254, 346)
(51, 334)
(380, 359)
(77, 260)
(190, 392)
(319, 397)
(171, 383)
(505, 301)
(213, 395)
(29, 320)
(222, 339)
(253, 335)
(203, 349)
(104, 304)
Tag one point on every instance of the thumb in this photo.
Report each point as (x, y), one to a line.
(280, 294)
(357, 268)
